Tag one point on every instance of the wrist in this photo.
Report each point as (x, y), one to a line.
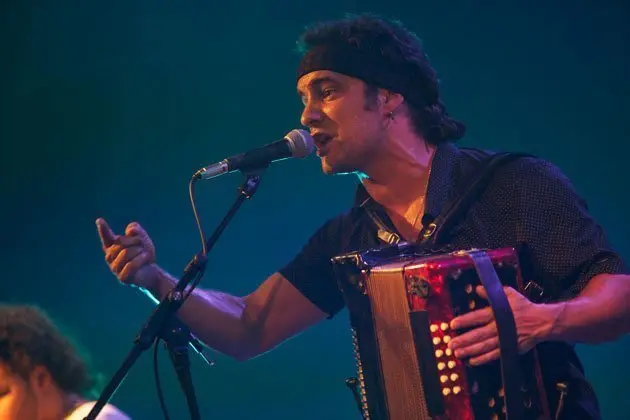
(163, 283)
(552, 321)
(156, 281)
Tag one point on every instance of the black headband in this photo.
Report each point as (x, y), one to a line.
(369, 66)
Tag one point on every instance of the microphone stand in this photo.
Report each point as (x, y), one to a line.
(162, 324)
(176, 339)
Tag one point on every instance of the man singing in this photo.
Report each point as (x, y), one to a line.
(372, 103)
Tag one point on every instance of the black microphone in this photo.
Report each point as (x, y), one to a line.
(297, 143)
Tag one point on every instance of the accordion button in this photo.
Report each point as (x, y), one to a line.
(457, 390)
(449, 352)
(446, 391)
(436, 340)
(443, 378)
(433, 328)
(444, 326)
(451, 364)
(439, 353)
(447, 339)
(441, 365)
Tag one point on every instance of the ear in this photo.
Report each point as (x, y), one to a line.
(389, 101)
(40, 379)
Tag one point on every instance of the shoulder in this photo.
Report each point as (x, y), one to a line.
(534, 168)
(337, 224)
(524, 164)
(109, 412)
(328, 235)
(532, 177)
(526, 173)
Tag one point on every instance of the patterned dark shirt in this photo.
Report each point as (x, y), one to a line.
(529, 203)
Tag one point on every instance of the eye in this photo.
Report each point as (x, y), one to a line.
(327, 92)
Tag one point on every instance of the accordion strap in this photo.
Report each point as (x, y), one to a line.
(433, 230)
(453, 210)
(435, 233)
(508, 337)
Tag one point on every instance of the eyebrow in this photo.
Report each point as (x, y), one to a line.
(317, 81)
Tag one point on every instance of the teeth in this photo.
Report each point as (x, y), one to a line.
(322, 139)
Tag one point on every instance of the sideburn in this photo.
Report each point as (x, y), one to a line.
(370, 102)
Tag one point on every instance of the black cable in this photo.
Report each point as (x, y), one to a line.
(156, 371)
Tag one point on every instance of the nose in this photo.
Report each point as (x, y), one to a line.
(311, 115)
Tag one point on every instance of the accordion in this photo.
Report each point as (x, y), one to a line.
(401, 301)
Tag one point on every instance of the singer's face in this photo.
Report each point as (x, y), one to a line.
(17, 399)
(348, 134)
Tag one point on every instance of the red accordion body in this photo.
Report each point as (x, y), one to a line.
(401, 305)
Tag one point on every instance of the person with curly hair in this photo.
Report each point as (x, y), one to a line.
(42, 374)
(372, 104)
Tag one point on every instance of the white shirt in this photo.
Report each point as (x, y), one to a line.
(109, 412)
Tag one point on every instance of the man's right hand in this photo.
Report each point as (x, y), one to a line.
(131, 256)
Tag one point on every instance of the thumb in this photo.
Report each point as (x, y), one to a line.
(108, 238)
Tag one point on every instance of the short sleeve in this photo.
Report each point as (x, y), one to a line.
(311, 271)
(566, 246)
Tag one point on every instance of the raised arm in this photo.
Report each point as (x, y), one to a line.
(240, 327)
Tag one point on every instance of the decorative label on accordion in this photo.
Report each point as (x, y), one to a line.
(401, 302)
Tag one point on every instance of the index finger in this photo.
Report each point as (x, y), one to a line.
(472, 319)
(108, 238)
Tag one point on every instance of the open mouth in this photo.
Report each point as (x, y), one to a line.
(322, 140)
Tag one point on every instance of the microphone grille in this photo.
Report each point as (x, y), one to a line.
(301, 143)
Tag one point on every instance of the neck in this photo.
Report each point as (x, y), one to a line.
(70, 402)
(400, 176)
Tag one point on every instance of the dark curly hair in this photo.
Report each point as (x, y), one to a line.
(29, 338)
(396, 44)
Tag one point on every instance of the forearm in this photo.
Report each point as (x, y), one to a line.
(218, 319)
(600, 313)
